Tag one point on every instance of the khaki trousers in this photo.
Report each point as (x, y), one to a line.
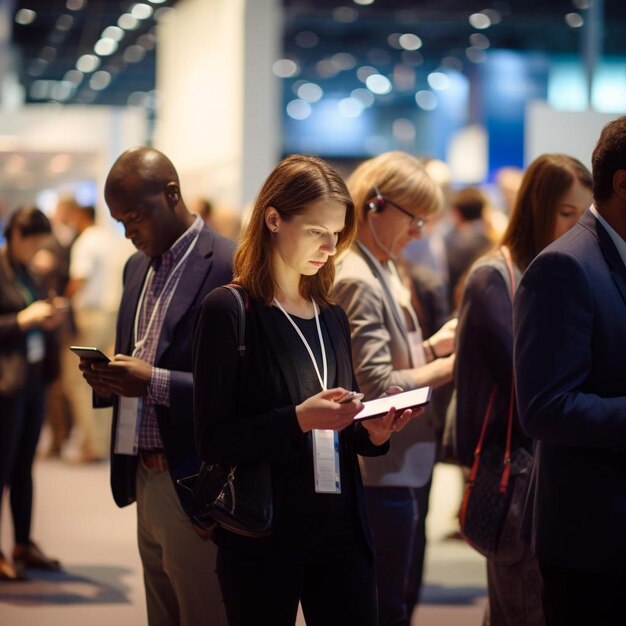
(179, 567)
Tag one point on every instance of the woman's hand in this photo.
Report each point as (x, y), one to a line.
(40, 314)
(442, 342)
(381, 428)
(322, 412)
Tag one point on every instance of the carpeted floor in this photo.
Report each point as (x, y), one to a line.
(101, 585)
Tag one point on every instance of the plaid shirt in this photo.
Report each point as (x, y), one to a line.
(156, 279)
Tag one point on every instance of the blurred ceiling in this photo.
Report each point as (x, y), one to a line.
(102, 51)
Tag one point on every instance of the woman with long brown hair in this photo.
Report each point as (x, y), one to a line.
(282, 409)
(555, 190)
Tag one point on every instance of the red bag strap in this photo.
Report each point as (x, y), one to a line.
(506, 461)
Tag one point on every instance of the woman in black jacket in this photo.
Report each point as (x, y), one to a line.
(283, 408)
(27, 361)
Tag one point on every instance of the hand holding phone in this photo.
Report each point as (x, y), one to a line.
(90, 353)
(349, 396)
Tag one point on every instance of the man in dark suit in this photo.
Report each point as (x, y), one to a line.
(149, 382)
(570, 347)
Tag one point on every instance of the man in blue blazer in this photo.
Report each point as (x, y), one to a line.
(149, 382)
(570, 363)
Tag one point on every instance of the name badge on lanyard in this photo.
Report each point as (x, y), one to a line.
(325, 442)
(127, 431)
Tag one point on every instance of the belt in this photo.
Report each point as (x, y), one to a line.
(153, 460)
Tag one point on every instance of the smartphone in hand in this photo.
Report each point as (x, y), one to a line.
(90, 353)
(349, 396)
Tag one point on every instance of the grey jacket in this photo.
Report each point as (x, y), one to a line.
(382, 357)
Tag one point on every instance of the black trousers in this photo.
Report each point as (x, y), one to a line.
(574, 597)
(330, 571)
(21, 417)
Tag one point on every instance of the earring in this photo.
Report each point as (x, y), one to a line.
(275, 229)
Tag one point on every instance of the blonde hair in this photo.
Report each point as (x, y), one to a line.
(296, 182)
(399, 177)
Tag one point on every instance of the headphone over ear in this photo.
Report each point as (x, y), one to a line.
(376, 204)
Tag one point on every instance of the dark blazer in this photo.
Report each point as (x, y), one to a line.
(208, 266)
(570, 347)
(254, 418)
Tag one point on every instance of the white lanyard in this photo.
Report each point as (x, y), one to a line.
(323, 381)
(138, 343)
(326, 468)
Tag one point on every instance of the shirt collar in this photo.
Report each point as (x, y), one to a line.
(620, 244)
(176, 251)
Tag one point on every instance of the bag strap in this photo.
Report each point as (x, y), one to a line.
(506, 461)
(241, 325)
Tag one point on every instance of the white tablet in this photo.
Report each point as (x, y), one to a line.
(400, 401)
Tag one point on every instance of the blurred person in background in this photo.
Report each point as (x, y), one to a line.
(555, 190)
(28, 360)
(469, 237)
(394, 196)
(97, 260)
(149, 382)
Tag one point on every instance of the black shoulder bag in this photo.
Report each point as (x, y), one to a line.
(235, 497)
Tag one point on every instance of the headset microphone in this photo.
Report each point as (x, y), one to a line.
(376, 204)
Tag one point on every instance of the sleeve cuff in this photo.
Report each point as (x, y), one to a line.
(159, 386)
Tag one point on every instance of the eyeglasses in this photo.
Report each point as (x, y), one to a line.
(420, 222)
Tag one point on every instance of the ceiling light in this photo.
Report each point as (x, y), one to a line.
(364, 96)
(64, 22)
(113, 32)
(128, 22)
(299, 109)
(409, 41)
(426, 100)
(475, 55)
(479, 21)
(438, 81)
(87, 63)
(365, 71)
(574, 20)
(141, 11)
(73, 76)
(310, 92)
(478, 40)
(378, 84)
(25, 16)
(394, 40)
(100, 80)
(343, 61)
(364, 2)
(75, 5)
(105, 47)
(285, 68)
(157, 1)
(134, 54)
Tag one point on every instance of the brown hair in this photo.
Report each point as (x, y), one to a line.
(296, 182)
(533, 218)
(400, 178)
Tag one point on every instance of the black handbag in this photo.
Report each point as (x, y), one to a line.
(495, 493)
(235, 497)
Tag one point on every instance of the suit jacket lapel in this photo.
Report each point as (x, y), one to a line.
(196, 268)
(609, 251)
